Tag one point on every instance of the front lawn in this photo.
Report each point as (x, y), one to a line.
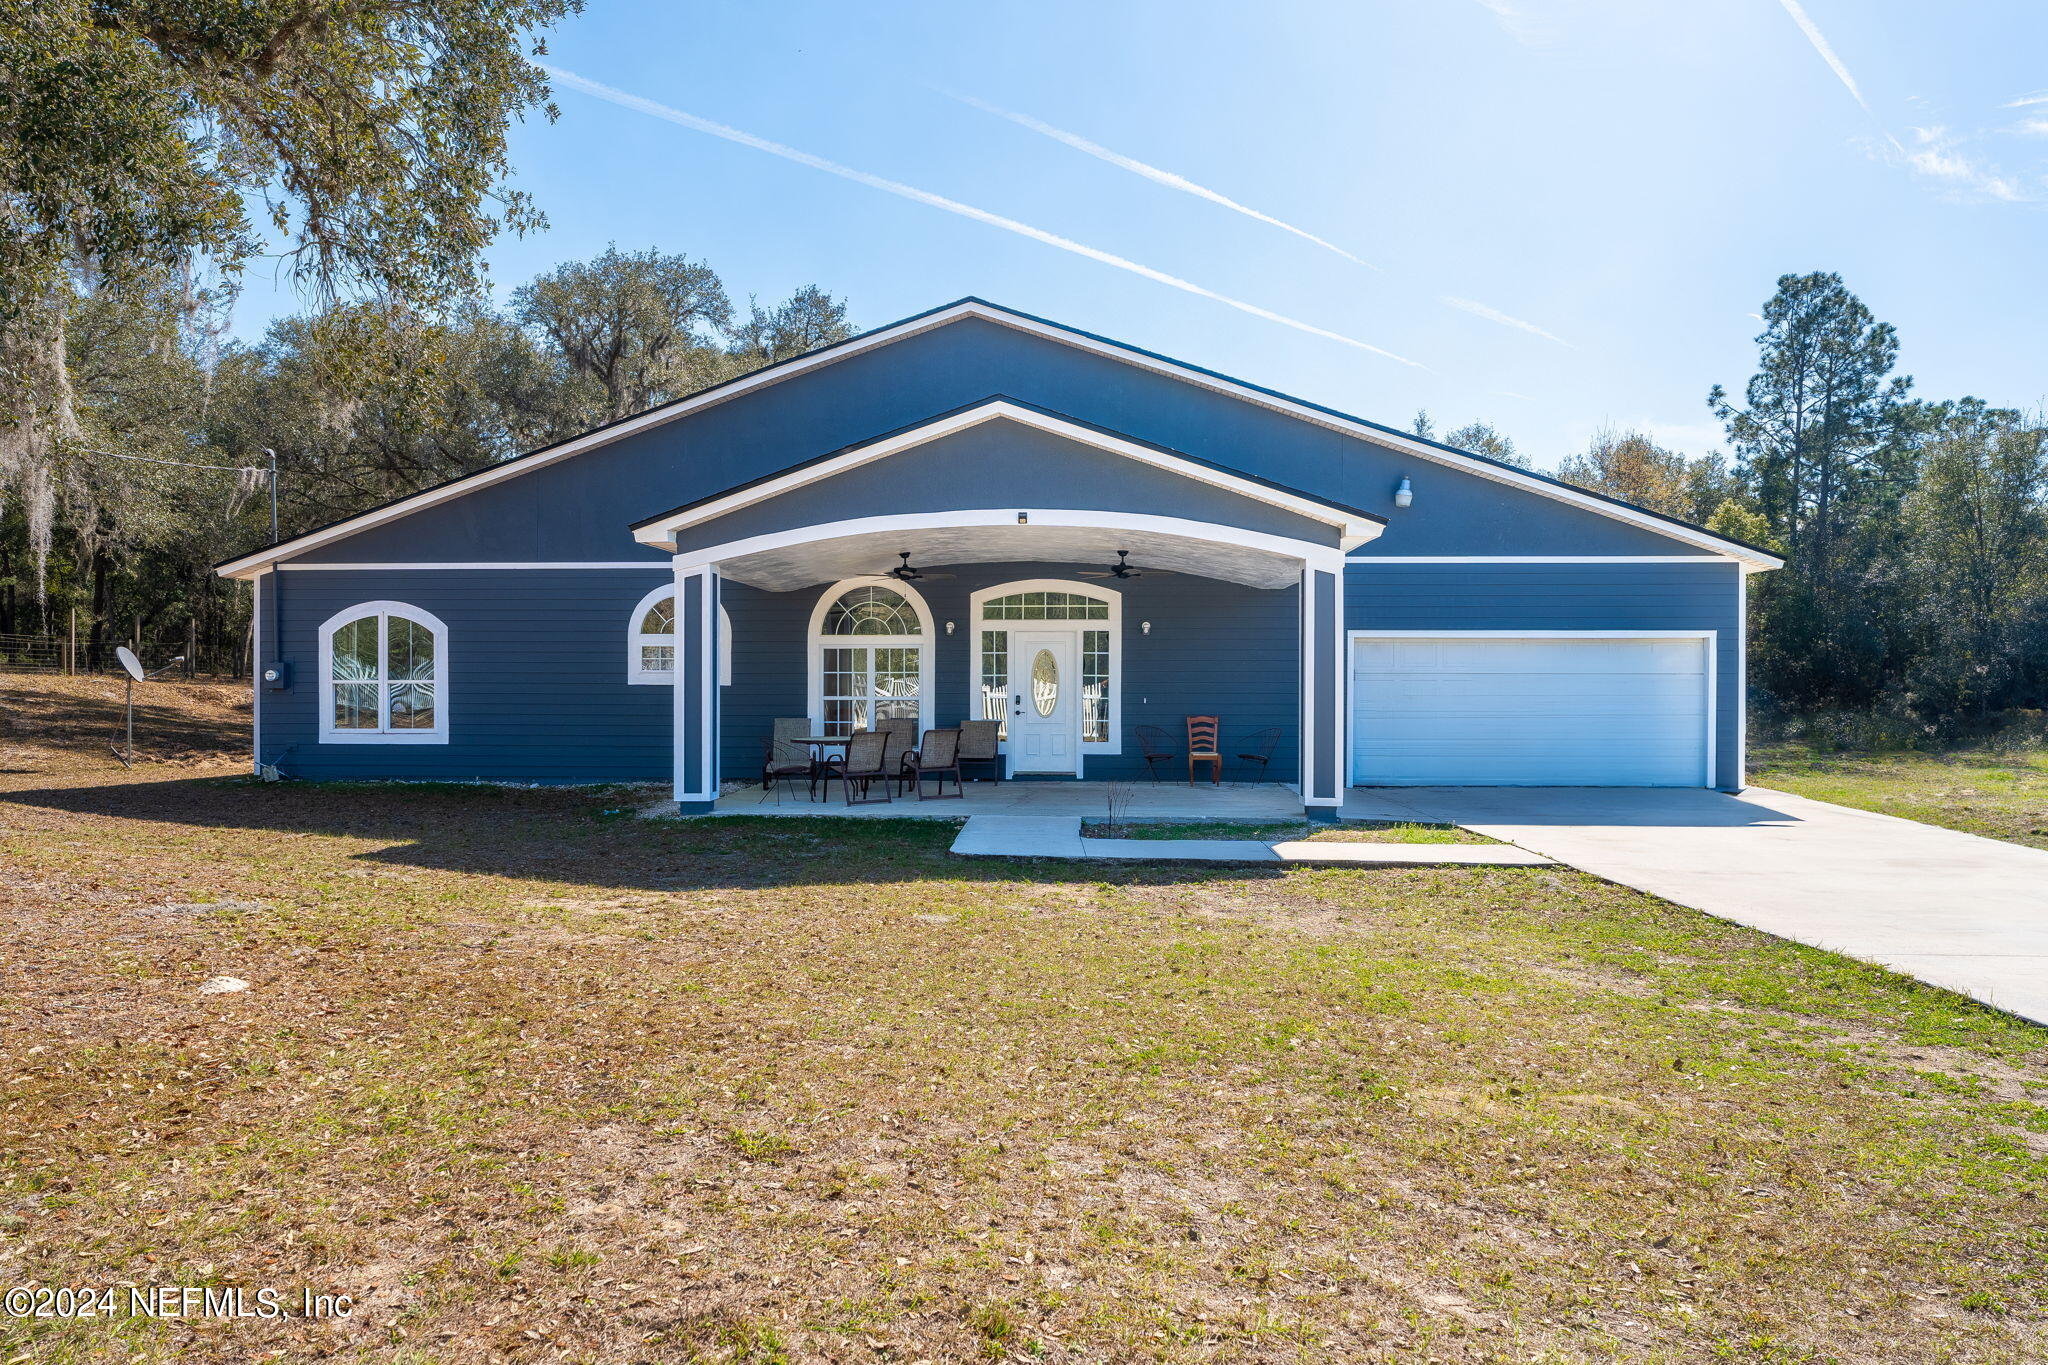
(538, 1081)
(2002, 796)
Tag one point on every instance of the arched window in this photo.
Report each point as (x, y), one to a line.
(383, 676)
(870, 656)
(651, 640)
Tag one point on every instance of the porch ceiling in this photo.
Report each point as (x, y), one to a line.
(786, 568)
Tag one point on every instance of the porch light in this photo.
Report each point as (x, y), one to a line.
(1023, 518)
(949, 627)
(1145, 627)
(1404, 494)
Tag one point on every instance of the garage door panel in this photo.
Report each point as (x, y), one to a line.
(1530, 711)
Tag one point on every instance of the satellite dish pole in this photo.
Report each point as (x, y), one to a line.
(132, 666)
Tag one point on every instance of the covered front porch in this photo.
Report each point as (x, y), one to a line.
(1141, 801)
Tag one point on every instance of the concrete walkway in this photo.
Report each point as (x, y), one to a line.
(1049, 836)
(1955, 910)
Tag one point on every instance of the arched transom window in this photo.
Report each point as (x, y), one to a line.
(383, 676)
(870, 657)
(651, 640)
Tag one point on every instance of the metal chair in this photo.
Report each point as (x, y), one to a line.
(862, 763)
(1202, 748)
(978, 741)
(782, 758)
(1258, 750)
(936, 756)
(1157, 747)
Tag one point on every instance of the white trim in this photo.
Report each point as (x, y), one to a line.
(1353, 530)
(1323, 556)
(443, 673)
(701, 785)
(978, 600)
(926, 646)
(660, 566)
(976, 309)
(1305, 630)
(1554, 559)
(256, 674)
(1710, 644)
(636, 640)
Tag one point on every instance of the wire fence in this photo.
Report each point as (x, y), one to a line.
(62, 654)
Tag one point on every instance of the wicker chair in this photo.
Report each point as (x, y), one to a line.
(1258, 752)
(1202, 748)
(1156, 747)
(783, 759)
(862, 763)
(937, 756)
(978, 740)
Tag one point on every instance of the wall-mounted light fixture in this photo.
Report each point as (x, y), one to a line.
(1023, 518)
(1404, 493)
(1145, 626)
(949, 627)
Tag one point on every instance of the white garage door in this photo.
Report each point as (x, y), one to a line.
(1530, 711)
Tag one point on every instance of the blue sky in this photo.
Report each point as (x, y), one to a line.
(1547, 214)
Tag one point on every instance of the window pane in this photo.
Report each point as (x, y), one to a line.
(660, 618)
(1045, 606)
(412, 706)
(355, 651)
(995, 674)
(410, 650)
(355, 705)
(1045, 683)
(1094, 687)
(658, 658)
(871, 611)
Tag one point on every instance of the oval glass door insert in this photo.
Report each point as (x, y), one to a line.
(1045, 682)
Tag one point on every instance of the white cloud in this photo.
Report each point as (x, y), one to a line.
(1515, 20)
(1938, 154)
(1492, 314)
(1826, 51)
(1150, 172)
(2031, 127)
(938, 201)
(2027, 101)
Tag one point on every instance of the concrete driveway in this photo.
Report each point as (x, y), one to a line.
(1955, 910)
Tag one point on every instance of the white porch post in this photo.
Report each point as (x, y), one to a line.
(1322, 687)
(696, 689)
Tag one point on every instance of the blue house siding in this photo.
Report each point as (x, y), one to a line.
(1567, 597)
(534, 678)
(580, 508)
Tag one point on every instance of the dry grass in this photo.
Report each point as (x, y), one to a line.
(1999, 795)
(542, 1083)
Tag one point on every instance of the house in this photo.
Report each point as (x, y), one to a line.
(640, 602)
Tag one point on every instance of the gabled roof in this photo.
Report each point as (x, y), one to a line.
(1354, 526)
(1752, 557)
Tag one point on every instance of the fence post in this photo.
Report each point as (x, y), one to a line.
(71, 644)
(191, 645)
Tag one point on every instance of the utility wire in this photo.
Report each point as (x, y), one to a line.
(182, 464)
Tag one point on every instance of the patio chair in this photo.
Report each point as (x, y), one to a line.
(937, 756)
(783, 759)
(902, 733)
(1258, 752)
(1202, 748)
(862, 763)
(1157, 748)
(978, 740)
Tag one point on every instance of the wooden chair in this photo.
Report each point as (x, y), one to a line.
(863, 764)
(1157, 747)
(978, 741)
(783, 759)
(1258, 753)
(936, 756)
(1202, 748)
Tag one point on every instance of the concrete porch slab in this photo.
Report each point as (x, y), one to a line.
(1251, 802)
(1022, 836)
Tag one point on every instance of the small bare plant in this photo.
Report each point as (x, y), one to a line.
(1117, 796)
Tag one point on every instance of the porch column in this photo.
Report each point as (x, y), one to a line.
(1322, 689)
(696, 699)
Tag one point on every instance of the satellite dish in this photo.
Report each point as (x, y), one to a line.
(129, 662)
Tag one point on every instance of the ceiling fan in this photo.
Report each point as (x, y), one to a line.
(903, 573)
(1120, 569)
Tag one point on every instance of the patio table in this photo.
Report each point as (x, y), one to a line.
(819, 745)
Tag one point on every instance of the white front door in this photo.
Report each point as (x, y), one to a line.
(1045, 703)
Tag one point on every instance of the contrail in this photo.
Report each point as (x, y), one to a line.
(1506, 320)
(1827, 54)
(1150, 172)
(938, 201)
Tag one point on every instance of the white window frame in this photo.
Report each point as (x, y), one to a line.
(977, 603)
(819, 642)
(443, 674)
(636, 676)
